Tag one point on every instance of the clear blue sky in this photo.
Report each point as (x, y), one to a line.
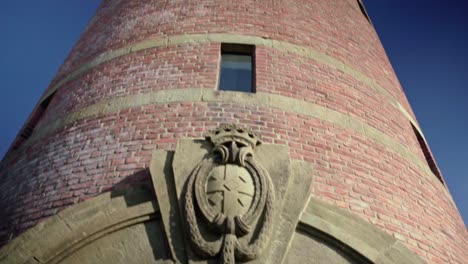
(427, 42)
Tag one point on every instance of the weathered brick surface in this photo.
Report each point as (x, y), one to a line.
(327, 26)
(196, 66)
(105, 151)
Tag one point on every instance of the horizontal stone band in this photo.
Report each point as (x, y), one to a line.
(239, 39)
(259, 99)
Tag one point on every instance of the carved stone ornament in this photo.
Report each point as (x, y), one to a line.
(229, 198)
(230, 195)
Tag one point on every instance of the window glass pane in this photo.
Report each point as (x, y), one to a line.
(236, 72)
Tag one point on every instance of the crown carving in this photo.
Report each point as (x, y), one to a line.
(232, 132)
(234, 196)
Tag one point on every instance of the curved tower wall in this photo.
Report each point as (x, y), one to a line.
(145, 73)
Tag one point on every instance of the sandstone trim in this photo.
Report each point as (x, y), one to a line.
(259, 99)
(337, 225)
(238, 39)
(62, 234)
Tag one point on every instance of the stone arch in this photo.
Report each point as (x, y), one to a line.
(126, 227)
(343, 238)
(115, 227)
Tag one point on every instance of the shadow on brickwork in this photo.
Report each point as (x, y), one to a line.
(130, 188)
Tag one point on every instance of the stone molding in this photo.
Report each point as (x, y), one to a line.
(62, 234)
(282, 46)
(353, 234)
(258, 99)
(238, 39)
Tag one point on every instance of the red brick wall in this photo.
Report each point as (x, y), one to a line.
(354, 172)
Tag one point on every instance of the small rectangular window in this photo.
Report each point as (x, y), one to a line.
(237, 68)
(363, 10)
(29, 127)
(427, 154)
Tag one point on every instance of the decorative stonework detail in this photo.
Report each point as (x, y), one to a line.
(230, 195)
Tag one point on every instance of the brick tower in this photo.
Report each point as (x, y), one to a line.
(307, 78)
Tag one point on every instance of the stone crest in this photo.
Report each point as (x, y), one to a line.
(229, 197)
(232, 195)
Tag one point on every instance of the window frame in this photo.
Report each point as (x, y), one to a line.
(239, 49)
(363, 9)
(29, 127)
(429, 157)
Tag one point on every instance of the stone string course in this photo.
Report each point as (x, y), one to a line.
(352, 122)
(181, 56)
(260, 99)
(352, 172)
